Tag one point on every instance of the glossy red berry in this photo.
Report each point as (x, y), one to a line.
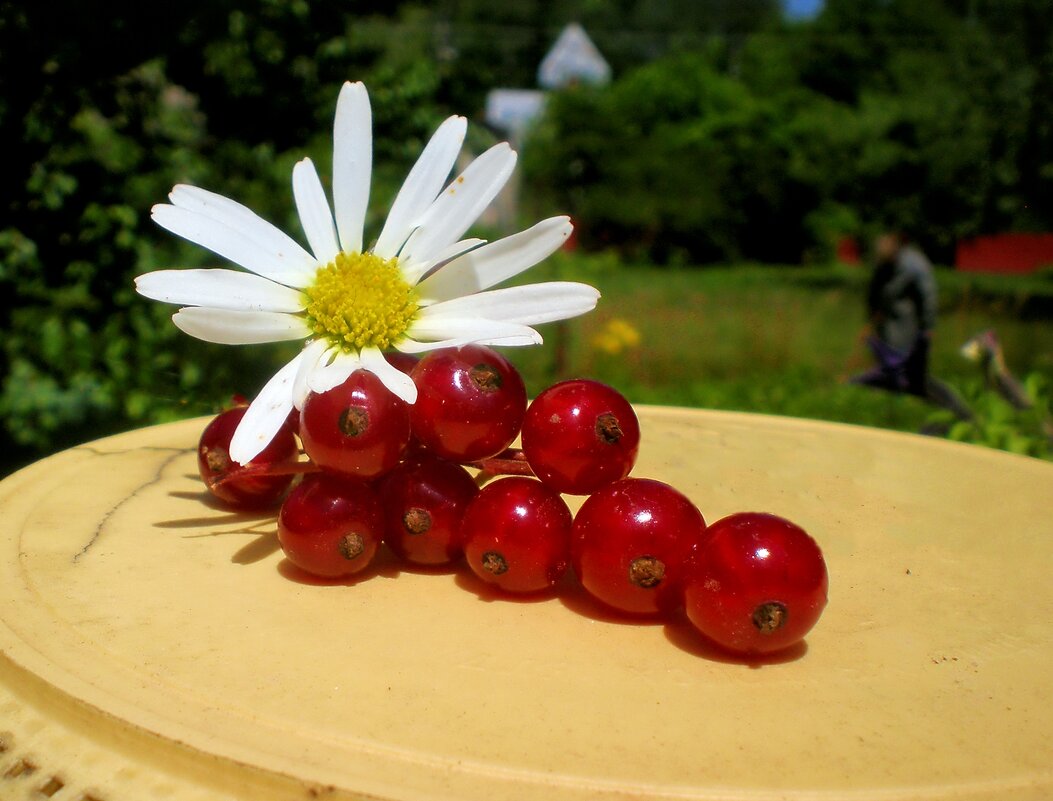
(580, 436)
(292, 422)
(631, 544)
(516, 535)
(757, 585)
(470, 403)
(358, 428)
(330, 525)
(404, 362)
(238, 485)
(424, 499)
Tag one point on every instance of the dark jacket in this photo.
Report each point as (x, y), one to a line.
(902, 299)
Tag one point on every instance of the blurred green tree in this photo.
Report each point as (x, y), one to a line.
(728, 134)
(932, 117)
(100, 115)
(672, 161)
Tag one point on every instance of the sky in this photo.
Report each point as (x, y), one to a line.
(802, 9)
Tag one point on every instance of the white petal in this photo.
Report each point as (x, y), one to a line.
(312, 354)
(227, 327)
(230, 244)
(413, 272)
(287, 262)
(313, 208)
(219, 289)
(468, 328)
(397, 382)
(461, 203)
(484, 267)
(515, 340)
(352, 163)
(421, 186)
(531, 304)
(265, 414)
(332, 370)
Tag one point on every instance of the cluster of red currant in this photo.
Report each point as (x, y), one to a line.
(380, 470)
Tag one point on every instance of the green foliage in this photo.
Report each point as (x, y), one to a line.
(998, 424)
(778, 340)
(105, 137)
(727, 135)
(926, 117)
(675, 160)
(66, 253)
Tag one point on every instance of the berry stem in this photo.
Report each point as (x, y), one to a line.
(510, 462)
(254, 470)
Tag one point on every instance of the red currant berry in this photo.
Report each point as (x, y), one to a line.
(404, 362)
(359, 428)
(470, 403)
(238, 485)
(424, 499)
(292, 422)
(330, 525)
(758, 584)
(516, 535)
(631, 544)
(580, 435)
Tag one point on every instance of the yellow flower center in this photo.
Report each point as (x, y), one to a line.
(360, 300)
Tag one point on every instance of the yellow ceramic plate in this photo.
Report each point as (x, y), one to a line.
(153, 646)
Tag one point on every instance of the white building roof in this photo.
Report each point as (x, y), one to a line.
(512, 110)
(572, 59)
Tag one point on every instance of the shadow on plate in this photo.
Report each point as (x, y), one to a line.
(489, 593)
(384, 565)
(577, 600)
(686, 637)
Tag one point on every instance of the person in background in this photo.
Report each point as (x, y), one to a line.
(901, 309)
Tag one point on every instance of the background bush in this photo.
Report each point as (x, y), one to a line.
(728, 134)
(930, 117)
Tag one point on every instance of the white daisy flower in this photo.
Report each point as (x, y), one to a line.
(418, 288)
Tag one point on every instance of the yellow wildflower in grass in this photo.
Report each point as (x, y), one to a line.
(616, 337)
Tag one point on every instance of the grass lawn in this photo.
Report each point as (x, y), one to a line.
(778, 340)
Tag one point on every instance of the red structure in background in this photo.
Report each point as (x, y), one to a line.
(1005, 253)
(848, 250)
(999, 253)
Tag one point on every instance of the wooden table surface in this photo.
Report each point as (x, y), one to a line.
(156, 646)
